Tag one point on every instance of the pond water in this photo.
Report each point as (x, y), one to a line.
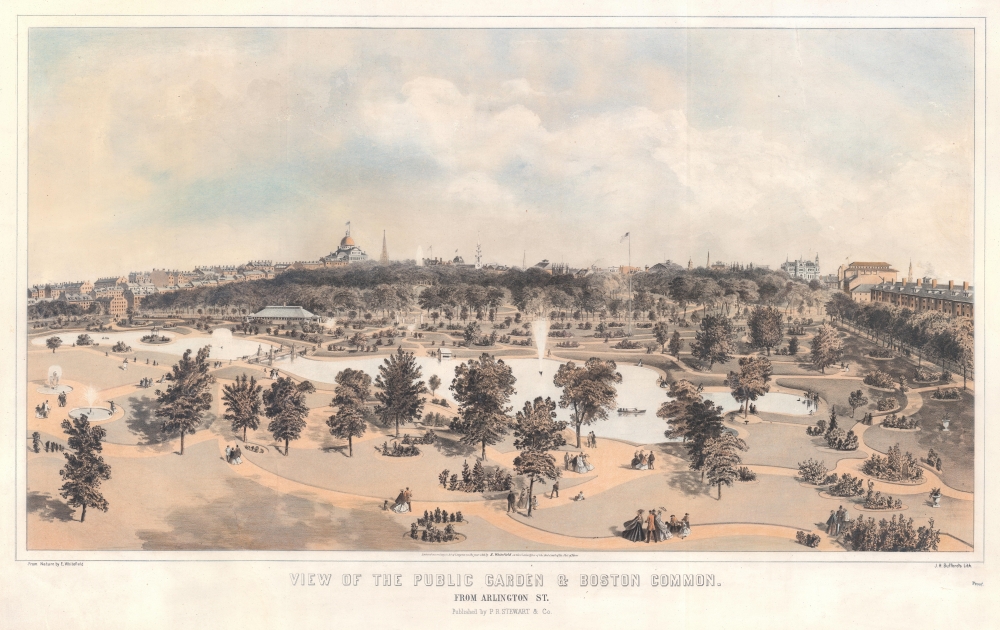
(638, 389)
(224, 345)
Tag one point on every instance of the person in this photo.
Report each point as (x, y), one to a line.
(112, 406)
(685, 526)
(841, 516)
(652, 458)
(831, 523)
(651, 527)
(633, 529)
(401, 506)
(580, 497)
(566, 460)
(229, 452)
(555, 490)
(409, 496)
(237, 455)
(534, 502)
(587, 466)
(511, 499)
(522, 500)
(674, 525)
(593, 439)
(663, 531)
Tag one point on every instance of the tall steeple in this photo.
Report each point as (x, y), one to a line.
(708, 260)
(384, 258)
(690, 263)
(909, 274)
(479, 254)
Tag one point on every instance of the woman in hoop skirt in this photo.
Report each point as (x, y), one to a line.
(634, 529)
(401, 505)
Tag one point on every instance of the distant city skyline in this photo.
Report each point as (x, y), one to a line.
(169, 148)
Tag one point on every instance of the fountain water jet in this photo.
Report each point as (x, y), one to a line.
(93, 413)
(420, 256)
(540, 330)
(52, 385)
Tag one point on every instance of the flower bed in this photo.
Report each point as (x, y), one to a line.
(886, 404)
(878, 378)
(901, 422)
(881, 353)
(895, 467)
(948, 393)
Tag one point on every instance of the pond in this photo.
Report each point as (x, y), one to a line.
(638, 390)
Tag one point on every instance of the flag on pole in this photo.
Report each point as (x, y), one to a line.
(624, 237)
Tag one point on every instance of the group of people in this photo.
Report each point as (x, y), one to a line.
(402, 504)
(838, 520)
(272, 373)
(234, 455)
(146, 382)
(515, 503)
(642, 461)
(42, 410)
(652, 528)
(591, 440)
(578, 463)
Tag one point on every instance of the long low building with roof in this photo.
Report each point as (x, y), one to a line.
(926, 295)
(283, 314)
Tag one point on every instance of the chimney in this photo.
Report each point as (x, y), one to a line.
(920, 282)
(951, 285)
(934, 284)
(965, 285)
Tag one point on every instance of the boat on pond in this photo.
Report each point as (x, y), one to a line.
(632, 411)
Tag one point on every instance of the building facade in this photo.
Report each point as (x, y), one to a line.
(347, 252)
(282, 315)
(926, 295)
(858, 273)
(805, 269)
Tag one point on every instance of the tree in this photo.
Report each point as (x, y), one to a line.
(793, 346)
(826, 347)
(243, 404)
(713, 342)
(536, 427)
(682, 393)
(433, 383)
(764, 325)
(722, 459)
(482, 389)
(471, 334)
(857, 399)
(285, 405)
(187, 397)
(52, 343)
(353, 389)
(399, 389)
(536, 466)
(751, 381)
(85, 469)
(702, 422)
(359, 340)
(675, 344)
(589, 390)
(662, 335)
(84, 340)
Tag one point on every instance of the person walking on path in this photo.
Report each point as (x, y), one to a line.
(555, 490)
(652, 458)
(511, 499)
(831, 523)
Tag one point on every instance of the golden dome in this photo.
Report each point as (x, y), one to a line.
(347, 241)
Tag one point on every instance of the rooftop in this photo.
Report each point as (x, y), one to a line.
(940, 292)
(284, 311)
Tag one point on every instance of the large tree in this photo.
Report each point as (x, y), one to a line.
(536, 431)
(857, 399)
(399, 389)
(675, 345)
(682, 393)
(713, 342)
(589, 390)
(433, 383)
(702, 423)
(662, 335)
(751, 382)
(353, 389)
(722, 459)
(483, 389)
(187, 397)
(243, 403)
(285, 404)
(826, 347)
(765, 329)
(85, 469)
(52, 343)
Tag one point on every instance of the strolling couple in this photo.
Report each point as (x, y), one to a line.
(402, 504)
(234, 455)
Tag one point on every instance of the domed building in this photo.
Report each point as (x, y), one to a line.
(348, 252)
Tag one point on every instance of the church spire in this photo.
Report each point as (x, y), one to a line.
(384, 258)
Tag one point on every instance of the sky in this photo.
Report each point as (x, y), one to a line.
(171, 148)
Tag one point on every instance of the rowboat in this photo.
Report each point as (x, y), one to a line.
(622, 411)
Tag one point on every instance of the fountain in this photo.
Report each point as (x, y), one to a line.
(93, 413)
(52, 385)
(420, 256)
(223, 335)
(540, 330)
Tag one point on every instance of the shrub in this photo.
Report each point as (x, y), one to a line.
(398, 450)
(902, 422)
(881, 353)
(121, 346)
(809, 540)
(946, 376)
(887, 403)
(813, 471)
(846, 486)
(875, 501)
(896, 534)
(841, 441)
(479, 479)
(948, 393)
(819, 429)
(925, 375)
(895, 466)
(878, 378)
(626, 344)
(745, 474)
